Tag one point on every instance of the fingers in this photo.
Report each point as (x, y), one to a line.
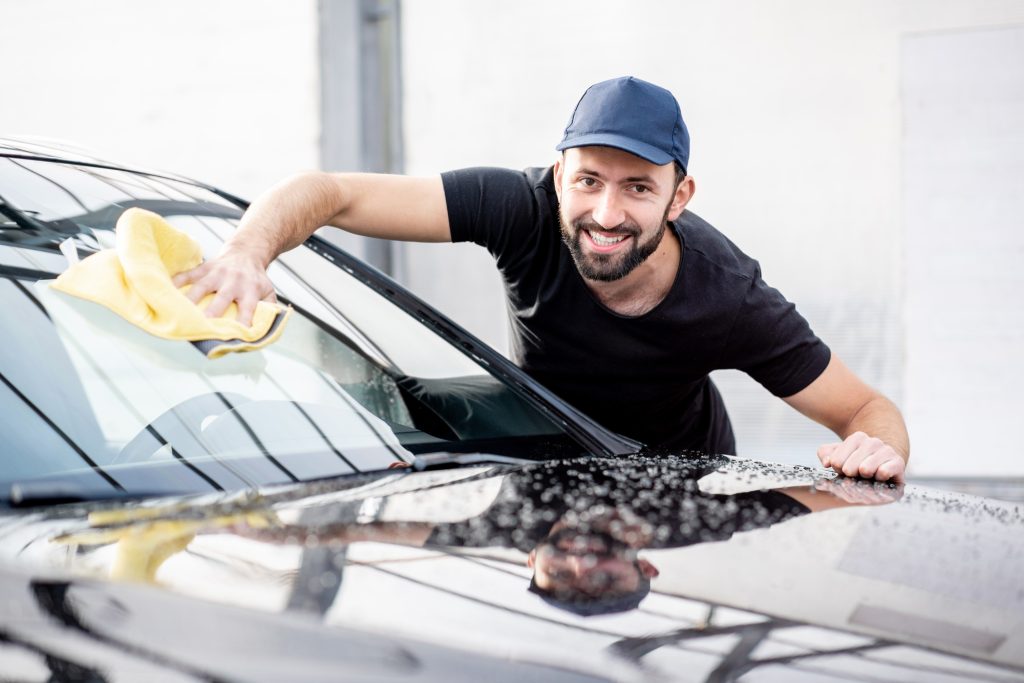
(246, 309)
(860, 492)
(825, 452)
(247, 306)
(860, 455)
(835, 454)
(198, 290)
(869, 464)
(219, 304)
(848, 456)
(892, 470)
(190, 276)
(197, 277)
(232, 279)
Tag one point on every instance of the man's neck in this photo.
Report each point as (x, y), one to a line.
(647, 285)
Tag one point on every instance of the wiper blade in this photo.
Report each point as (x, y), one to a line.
(33, 494)
(19, 273)
(32, 233)
(445, 461)
(21, 218)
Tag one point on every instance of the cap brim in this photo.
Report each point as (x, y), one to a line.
(640, 149)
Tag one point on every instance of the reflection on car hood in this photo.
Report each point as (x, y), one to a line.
(640, 568)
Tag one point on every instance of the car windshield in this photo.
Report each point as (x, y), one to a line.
(91, 403)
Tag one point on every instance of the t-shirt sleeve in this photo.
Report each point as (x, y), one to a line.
(493, 207)
(719, 517)
(773, 343)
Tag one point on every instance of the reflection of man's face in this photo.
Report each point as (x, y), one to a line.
(594, 564)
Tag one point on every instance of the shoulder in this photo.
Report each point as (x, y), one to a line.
(500, 208)
(704, 245)
(494, 180)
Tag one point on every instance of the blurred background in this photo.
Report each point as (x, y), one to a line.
(869, 153)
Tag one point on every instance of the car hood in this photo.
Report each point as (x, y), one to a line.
(751, 567)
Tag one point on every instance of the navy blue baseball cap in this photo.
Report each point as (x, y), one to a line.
(632, 115)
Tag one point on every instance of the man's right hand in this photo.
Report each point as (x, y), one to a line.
(235, 277)
(374, 205)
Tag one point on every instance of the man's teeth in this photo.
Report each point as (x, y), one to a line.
(605, 241)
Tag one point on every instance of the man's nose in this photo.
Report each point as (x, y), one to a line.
(575, 566)
(608, 213)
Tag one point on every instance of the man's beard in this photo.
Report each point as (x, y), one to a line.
(615, 266)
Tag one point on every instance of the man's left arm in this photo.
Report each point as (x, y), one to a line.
(874, 437)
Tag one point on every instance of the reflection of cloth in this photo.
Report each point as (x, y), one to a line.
(145, 538)
(134, 281)
(643, 376)
(663, 492)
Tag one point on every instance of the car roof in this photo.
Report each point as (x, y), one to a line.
(58, 151)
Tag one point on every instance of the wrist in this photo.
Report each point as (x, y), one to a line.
(246, 251)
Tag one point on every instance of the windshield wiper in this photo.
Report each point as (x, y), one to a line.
(21, 218)
(446, 461)
(33, 233)
(19, 273)
(45, 493)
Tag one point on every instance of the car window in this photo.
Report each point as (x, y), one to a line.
(353, 384)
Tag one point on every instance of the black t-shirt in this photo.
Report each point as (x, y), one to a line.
(643, 376)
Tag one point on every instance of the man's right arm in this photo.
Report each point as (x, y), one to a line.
(375, 205)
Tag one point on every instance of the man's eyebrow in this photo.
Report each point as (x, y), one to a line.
(641, 179)
(632, 179)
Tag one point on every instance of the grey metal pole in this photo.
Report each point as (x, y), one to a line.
(360, 103)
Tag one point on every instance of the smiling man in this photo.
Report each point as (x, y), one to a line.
(621, 300)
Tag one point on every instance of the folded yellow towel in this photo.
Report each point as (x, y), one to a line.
(134, 281)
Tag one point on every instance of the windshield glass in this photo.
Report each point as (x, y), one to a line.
(95, 403)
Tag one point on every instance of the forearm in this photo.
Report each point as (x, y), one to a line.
(373, 205)
(874, 438)
(286, 215)
(881, 419)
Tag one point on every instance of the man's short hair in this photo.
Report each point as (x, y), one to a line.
(584, 605)
(680, 172)
(680, 175)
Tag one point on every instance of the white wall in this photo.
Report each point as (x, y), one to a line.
(794, 109)
(964, 226)
(225, 92)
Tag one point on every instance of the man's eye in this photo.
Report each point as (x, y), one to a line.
(640, 189)
(588, 182)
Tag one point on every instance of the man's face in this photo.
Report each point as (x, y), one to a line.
(593, 564)
(614, 208)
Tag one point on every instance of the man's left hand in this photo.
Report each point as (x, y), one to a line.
(860, 455)
(859, 492)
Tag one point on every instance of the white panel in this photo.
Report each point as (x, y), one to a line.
(226, 92)
(963, 95)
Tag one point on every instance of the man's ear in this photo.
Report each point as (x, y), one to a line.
(683, 195)
(531, 558)
(647, 569)
(558, 177)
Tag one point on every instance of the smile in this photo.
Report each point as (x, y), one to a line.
(605, 243)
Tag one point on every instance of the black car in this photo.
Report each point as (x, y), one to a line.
(379, 496)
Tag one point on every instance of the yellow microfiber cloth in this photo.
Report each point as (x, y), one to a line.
(134, 281)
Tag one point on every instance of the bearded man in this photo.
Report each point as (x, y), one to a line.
(621, 301)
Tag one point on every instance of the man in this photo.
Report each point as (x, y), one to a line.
(621, 300)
